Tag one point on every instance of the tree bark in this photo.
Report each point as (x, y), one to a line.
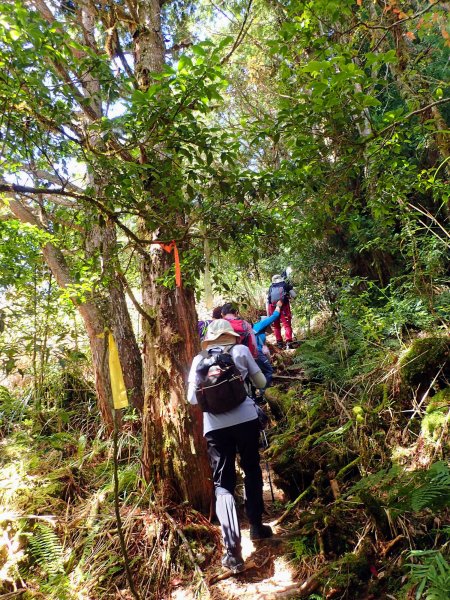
(174, 451)
(101, 241)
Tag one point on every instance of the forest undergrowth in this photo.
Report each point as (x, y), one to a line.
(58, 528)
(358, 445)
(361, 448)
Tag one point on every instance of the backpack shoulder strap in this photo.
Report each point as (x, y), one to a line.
(229, 349)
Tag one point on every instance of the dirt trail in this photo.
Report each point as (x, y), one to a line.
(270, 578)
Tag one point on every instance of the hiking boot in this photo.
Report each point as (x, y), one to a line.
(280, 345)
(234, 562)
(260, 532)
(259, 397)
(289, 345)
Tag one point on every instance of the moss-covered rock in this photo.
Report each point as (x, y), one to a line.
(421, 363)
(349, 571)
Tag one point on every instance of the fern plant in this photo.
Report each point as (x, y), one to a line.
(402, 491)
(431, 573)
(435, 491)
(58, 588)
(12, 410)
(303, 547)
(46, 550)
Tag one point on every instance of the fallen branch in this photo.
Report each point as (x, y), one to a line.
(391, 544)
(301, 591)
(344, 470)
(293, 505)
(283, 537)
(311, 584)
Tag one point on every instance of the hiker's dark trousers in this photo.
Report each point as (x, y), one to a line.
(222, 447)
(266, 368)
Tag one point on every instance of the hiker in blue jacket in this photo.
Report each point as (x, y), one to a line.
(260, 329)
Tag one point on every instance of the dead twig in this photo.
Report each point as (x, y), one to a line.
(391, 544)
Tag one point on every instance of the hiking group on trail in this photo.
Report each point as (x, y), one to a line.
(227, 380)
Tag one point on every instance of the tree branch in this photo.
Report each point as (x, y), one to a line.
(57, 179)
(133, 299)
(240, 35)
(387, 28)
(23, 189)
(408, 116)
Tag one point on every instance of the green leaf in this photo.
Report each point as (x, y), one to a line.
(184, 61)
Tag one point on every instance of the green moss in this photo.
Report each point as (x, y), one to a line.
(436, 415)
(439, 400)
(424, 359)
(432, 425)
(350, 569)
(281, 398)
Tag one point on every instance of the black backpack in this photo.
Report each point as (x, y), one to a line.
(278, 291)
(219, 384)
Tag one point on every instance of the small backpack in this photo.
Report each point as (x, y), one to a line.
(277, 291)
(246, 335)
(219, 384)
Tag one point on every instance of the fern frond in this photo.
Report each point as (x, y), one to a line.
(46, 549)
(435, 491)
(432, 574)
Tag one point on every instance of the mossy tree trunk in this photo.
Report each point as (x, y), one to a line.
(174, 455)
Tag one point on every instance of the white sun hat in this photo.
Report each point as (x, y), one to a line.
(216, 329)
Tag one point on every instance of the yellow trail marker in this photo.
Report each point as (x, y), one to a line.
(119, 391)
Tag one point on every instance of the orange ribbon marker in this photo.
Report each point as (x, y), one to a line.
(169, 248)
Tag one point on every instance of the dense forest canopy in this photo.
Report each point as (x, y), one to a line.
(161, 157)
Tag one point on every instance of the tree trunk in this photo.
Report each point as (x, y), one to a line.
(114, 315)
(101, 241)
(95, 326)
(174, 453)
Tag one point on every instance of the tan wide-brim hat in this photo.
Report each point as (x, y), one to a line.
(220, 328)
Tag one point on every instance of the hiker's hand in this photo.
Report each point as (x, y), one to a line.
(279, 303)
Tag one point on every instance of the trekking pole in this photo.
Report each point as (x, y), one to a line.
(266, 445)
